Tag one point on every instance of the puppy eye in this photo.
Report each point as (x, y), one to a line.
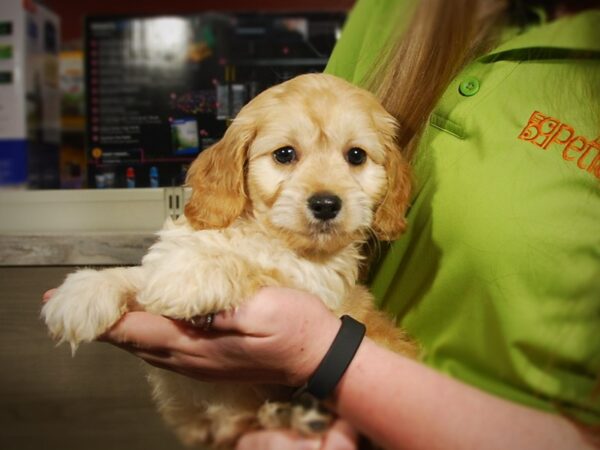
(284, 155)
(356, 156)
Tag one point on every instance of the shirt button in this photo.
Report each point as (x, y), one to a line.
(469, 86)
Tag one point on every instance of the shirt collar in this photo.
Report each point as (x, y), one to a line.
(579, 32)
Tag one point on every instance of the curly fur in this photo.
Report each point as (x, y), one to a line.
(248, 225)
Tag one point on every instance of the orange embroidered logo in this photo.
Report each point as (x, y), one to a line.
(544, 131)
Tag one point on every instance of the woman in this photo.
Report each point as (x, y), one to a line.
(498, 275)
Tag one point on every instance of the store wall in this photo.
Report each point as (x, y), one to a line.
(72, 12)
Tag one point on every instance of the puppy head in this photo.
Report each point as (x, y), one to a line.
(314, 159)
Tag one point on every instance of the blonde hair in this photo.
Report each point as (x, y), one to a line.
(417, 66)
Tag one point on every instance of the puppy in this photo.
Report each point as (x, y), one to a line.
(304, 175)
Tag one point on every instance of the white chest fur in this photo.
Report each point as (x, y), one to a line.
(220, 260)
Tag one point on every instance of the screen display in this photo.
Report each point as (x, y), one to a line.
(159, 90)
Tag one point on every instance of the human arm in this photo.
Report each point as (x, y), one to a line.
(433, 411)
(280, 335)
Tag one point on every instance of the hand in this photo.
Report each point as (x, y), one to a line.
(278, 336)
(341, 436)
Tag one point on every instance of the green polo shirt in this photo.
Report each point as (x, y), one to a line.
(498, 275)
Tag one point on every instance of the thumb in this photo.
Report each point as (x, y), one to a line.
(341, 436)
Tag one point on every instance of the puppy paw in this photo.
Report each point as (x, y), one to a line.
(273, 415)
(309, 417)
(87, 304)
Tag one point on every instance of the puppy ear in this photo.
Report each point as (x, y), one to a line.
(217, 180)
(389, 221)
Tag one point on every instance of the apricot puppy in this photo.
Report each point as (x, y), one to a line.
(306, 172)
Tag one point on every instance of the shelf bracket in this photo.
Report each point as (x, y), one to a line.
(174, 201)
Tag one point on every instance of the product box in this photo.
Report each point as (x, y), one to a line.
(72, 145)
(29, 95)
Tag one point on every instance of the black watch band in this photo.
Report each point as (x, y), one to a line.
(337, 359)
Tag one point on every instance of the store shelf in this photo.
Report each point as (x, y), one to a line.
(82, 227)
(85, 210)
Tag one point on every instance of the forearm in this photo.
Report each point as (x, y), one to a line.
(401, 403)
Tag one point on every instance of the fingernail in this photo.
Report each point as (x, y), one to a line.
(48, 294)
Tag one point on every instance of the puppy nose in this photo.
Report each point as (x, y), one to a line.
(324, 205)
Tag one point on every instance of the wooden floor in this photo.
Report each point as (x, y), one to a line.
(98, 400)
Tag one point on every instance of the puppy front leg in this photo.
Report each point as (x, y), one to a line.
(89, 302)
(184, 283)
(360, 304)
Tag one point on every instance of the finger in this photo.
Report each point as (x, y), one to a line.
(243, 319)
(143, 330)
(156, 358)
(140, 330)
(144, 353)
(276, 440)
(341, 436)
(166, 361)
(48, 295)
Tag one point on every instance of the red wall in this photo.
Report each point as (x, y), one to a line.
(72, 12)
